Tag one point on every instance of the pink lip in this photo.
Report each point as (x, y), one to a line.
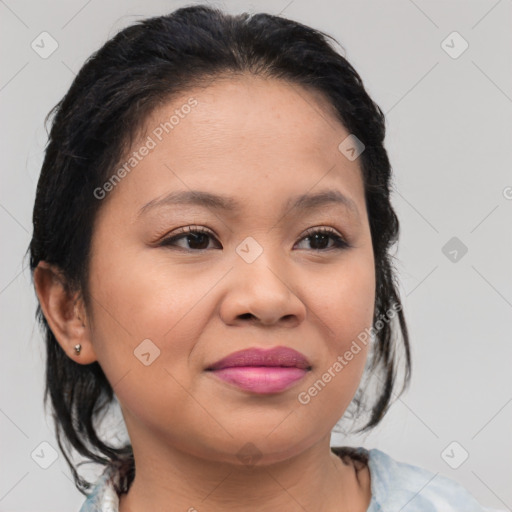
(262, 371)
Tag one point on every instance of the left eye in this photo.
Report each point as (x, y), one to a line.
(198, 239)
(319, 236)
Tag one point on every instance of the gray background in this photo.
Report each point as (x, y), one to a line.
(449, 140)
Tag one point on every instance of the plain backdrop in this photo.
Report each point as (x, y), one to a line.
(449, 138)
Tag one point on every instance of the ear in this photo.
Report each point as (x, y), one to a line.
(64, 313)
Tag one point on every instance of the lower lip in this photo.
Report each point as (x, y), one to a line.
(261, 379)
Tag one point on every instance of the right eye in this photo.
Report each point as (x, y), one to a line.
(197, 238)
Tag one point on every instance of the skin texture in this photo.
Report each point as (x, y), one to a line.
(259, 141)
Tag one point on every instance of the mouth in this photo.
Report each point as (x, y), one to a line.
(283, 357)
(262, 371)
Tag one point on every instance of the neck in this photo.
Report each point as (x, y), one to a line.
(316, 479)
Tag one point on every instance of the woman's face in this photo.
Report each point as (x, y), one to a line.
(164, 311)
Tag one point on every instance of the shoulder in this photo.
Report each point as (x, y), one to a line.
(103, 497)
(397, 485)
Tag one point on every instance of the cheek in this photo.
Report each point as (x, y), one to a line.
(348, 312)
(343, 303)
(345, 300)
(146, 321)
(145, 298)
(347, 309)
(137, 308)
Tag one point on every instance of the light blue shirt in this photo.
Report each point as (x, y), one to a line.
(396, 486)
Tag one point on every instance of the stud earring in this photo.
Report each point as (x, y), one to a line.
(78, 348)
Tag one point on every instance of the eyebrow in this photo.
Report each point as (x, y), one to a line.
(301, 202)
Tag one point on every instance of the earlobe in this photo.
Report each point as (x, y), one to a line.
(60, 308)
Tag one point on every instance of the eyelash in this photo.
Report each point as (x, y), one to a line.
(340, 243)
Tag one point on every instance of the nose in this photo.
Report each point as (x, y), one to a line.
(262, 295)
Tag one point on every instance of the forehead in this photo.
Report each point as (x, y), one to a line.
(245, 136)
(237, 108)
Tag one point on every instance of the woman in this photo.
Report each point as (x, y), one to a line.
(211, 246)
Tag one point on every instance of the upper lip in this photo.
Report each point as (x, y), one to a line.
(278, 356)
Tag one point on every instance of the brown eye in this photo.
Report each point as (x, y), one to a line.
(197, 239)
(319, 239)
